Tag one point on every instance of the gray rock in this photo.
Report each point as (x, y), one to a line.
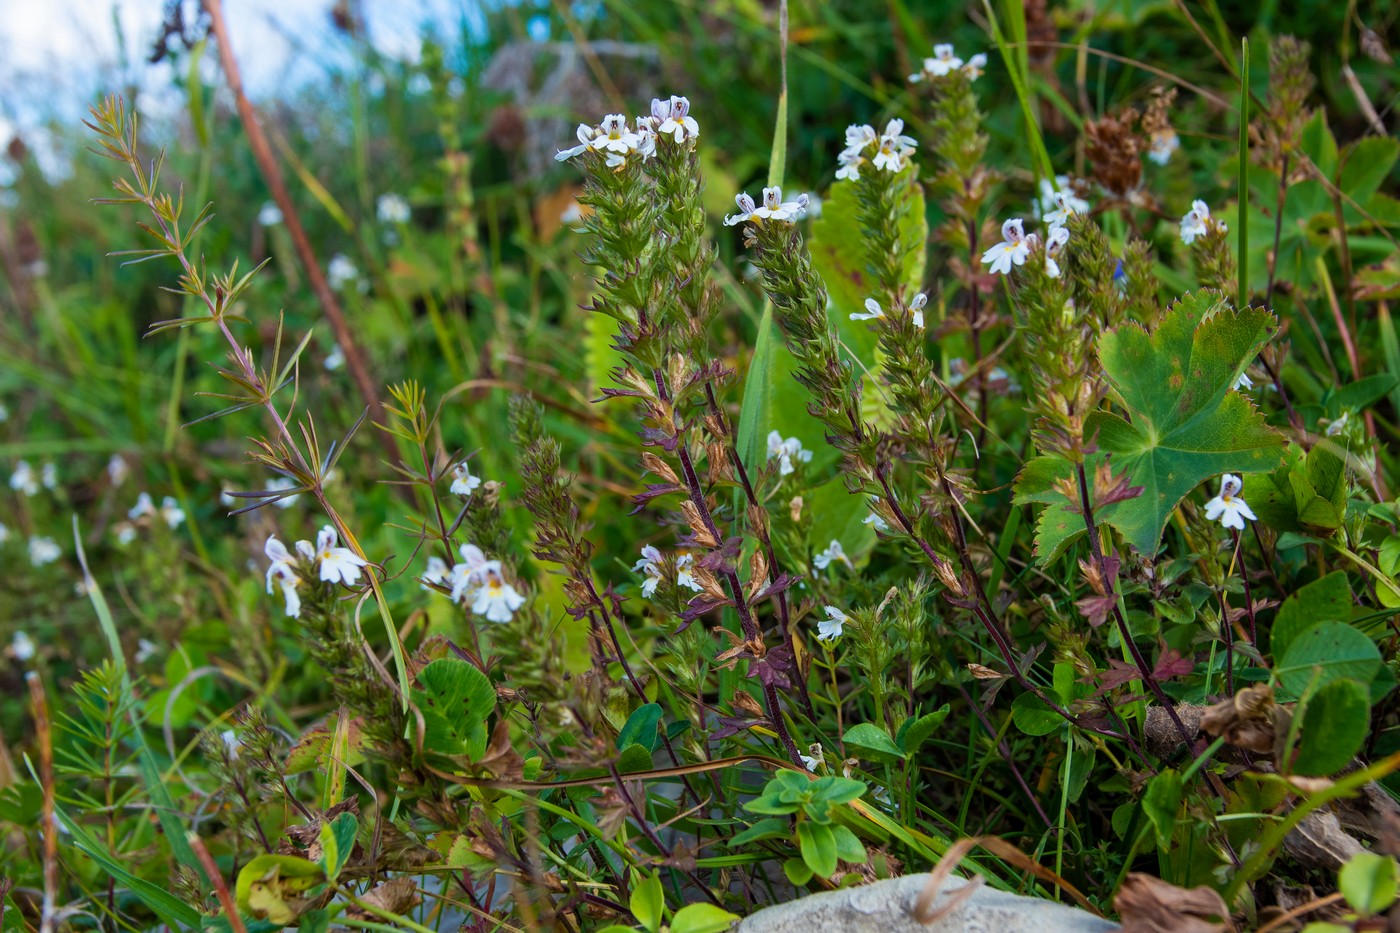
(887, 907)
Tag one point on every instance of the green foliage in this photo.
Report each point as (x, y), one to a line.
(1368, 883)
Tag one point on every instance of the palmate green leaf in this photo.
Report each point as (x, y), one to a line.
(1187, 424)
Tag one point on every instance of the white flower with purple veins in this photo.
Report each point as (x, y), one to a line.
(463, 483)
(1198, 222)
(895, 148)
(1164, 143)
(464, 575)
(833, 554)
(23, 480)
(43, 551)
(683, 575)
(1228, 507)
(23, 647)
(650, 566)
(677, 123)
(746, 209)
(1011, 251)
(172, 513)
(850, 161)
(614, 136)
(143, 508)
(1057, 201)
(48, 475)
(943, 63)
(872, 311)
(786, 451)
(830, 628)
(916, 308)
(814, 758)
(392, 209)
(1066, 206)
(1055, 242)
(586, 134)
(478, 582)
(859, 136)
(975, 66)
(775, 208)
(338, 564)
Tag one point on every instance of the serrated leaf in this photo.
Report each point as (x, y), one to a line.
(1335, 725)
(1187, 425)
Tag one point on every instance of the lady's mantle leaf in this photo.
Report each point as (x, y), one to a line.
(1185, 423)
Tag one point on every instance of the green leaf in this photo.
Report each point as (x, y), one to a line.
(835, 789)
(1161, 802)
(1057, 527)
(337, 843)
(771, 803)
(1366, 163)
(1326, 652)
(1324, 600)
(758, 391)
(272, 886)
(849, 848)
(455, 700)
(797, 872)
(1187, 425)
(1335, 725)
(647, 900)
(774, 827)
(702, 918)
(1033, 717)
(915, 732)
(1367, 881)
(640, 728)
(1318, 143)
(818, 846)
(873, 742)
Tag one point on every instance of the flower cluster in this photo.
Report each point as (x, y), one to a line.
(477, 583)
(329, 562)
(1198, 223)
(772, 208)
(785, 451)
(24, 480)
(944, 62)
(1016, 245)
(616, 141)
(889, 151)
(653, 567)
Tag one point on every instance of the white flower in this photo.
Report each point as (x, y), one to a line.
(23, 647)
(126, 534)
(463, 483)
(281, 560)
(334, 359)
(814, 758)
(23, 479)
(943, 63)
(895, 148)
(437, 572)
(916, 308)
(746, 209)
(340, 271)
(269, 215)
(1242, 383)
(650, 565)
(392, 209)
(786, 451)
(338, 564)
(291, 596)
(43, 551)
(1055, 242)
(1164, 143)
(775, 208)
(117, 469)
(614, 136)
(975, 66)
(1336, 427)
(859, 136)
(677, 123)
(1228, 507)
(683, 575)
(231, 742)
(1013, 249)
(49, 476)
(830, 628)
(1058, 196)
(465, 575)
(144, 507)
(871, 312)
(586, 135)
(1064, 210)
(172, 513)
(145, 650)
(834, 553)
(1198, 222)
(850, 161)
(4, 533)
(495, 599)
(874, 517)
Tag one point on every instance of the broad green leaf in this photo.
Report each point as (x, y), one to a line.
(640, 728)
(839, 516)
(1033, 717)
(1160, 803)
(849, 848)
(797, 871)
(1056, 527)
(337, 843)
(818, 847)
(1319, 145)
(772, 828)
(1335, 725)
(274, 886)
(758, 390)
(1366, 163)
(647, 900)
(873, 742)
(702, 918)
(455, 700)
(1187, 424)
(1368, 883)
(915, 732)
(835, 789)
(1326, 652)
(1324, 600)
